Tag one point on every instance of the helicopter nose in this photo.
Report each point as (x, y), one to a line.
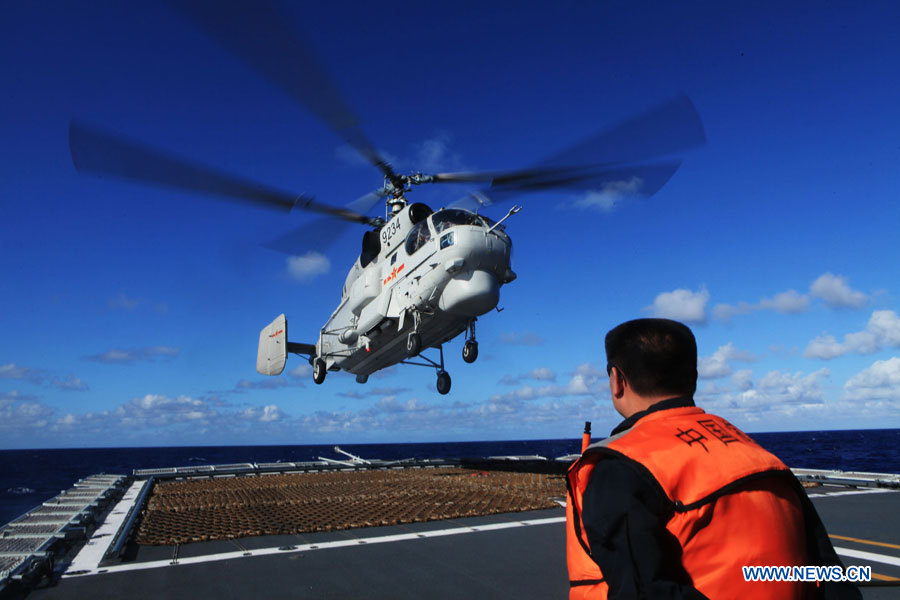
(471, 294)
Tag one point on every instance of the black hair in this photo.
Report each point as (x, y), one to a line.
(656, 356)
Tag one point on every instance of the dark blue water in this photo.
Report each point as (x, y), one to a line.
(29, 477)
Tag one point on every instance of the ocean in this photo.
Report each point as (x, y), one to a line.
(30, 477)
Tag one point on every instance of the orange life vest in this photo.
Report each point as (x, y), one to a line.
(730, 507)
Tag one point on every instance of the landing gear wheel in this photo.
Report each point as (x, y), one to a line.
(319, 370)
(362, 378)
(443, 382)
(413, 345)
(470, 351)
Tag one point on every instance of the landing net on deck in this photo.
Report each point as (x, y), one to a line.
(213, 509)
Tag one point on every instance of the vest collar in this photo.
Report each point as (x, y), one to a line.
(628, 423)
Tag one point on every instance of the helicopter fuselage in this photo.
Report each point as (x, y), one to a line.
(434, 274)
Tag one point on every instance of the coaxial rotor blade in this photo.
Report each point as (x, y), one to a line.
(639, 180)
(320, 233)
(317, 234)
(102, 153)
(670, 127)
(258, 34)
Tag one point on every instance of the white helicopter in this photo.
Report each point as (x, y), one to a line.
(421, 281)
(422, 277)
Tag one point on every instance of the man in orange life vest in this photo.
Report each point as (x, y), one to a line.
(677, 500)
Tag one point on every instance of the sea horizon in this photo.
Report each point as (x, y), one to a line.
(594, 434)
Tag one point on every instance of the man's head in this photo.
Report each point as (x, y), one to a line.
(650, 360)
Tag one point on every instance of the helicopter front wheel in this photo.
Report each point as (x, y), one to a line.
(470, 351)
(413, 344)
(319, 370)
(443, 382)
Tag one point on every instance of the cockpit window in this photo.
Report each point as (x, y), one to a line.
(418, 237)
(447, 218)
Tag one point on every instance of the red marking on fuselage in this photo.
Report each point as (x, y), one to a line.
(394, 273)
(279, 332)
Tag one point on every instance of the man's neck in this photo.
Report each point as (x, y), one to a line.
(638, 404)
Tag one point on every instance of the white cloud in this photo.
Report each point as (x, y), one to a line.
(833, 289)
(301, 370)
(824, 346)
(307, 266)
(266, 414)
(13, 371)
(143, 420)
(681, 305)
(270, 383)
(606, 198)
(159, 410)
(880, 381)
(743, 379)
(131, 355)
(21, 412)
(70, 383)
(7, 398)
(882, 330)
(885, 325)
(159, 414)
(384, 392)
(543, 374)
(434, 155)
(718, 364)
(777, 394)
(793, 387)
(538, 374)
(836, 292)
(587, 380)
(724, 312)
(787, 302)
(430, 155)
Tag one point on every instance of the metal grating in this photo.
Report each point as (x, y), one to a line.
(8, 563)
(54, 518)
(28, 539)
(12, 545)
(43, 528)
(50, 510)
(148, 472)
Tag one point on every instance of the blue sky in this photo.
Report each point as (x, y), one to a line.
(129, 315)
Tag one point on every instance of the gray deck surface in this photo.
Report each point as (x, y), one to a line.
(521, 562)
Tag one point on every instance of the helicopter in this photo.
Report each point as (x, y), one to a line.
(423, 276)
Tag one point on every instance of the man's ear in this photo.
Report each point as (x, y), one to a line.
(616, 383)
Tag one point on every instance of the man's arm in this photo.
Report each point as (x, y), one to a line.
(625, 514)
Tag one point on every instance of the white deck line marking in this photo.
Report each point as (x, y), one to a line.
(852, 492)
(847, 493)
(882, 558)
(319, 546)
(92, 552)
